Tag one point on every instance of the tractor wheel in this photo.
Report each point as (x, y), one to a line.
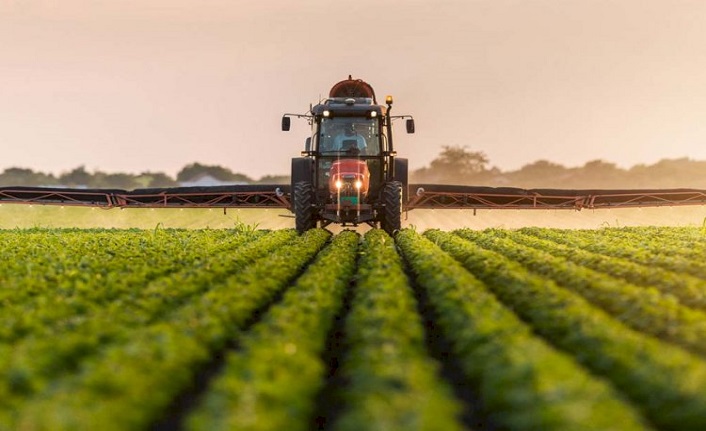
(304, 200)
(392, 198)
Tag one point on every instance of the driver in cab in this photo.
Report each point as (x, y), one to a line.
(350, 141)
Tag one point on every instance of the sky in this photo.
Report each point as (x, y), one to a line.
(153, 85)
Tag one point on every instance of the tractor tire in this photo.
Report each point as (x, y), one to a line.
(304, 200)
(402, 175)
(392, 216)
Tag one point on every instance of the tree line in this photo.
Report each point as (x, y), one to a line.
(460, 165)
(454, 165)
(80, 177)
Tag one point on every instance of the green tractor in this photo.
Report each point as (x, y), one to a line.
(348, 172)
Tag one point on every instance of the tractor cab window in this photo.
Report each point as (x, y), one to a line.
(349, 136)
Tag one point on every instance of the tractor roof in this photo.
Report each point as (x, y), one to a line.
(349, 107)
(350, 98)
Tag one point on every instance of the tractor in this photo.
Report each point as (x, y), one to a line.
(348, 172)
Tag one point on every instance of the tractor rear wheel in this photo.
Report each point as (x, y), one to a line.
(304, 200)
(392, 198)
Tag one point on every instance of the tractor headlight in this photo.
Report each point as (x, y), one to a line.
(339, 184)
(327, 113)
(358, 184)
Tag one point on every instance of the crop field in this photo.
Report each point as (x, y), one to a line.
(255, 329)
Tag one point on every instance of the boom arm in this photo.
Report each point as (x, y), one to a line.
(428, 196)
(437, 196)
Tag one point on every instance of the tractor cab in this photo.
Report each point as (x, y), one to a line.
(346, 146)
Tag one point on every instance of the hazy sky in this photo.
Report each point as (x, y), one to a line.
(137, 85)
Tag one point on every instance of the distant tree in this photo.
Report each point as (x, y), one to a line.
(117, 181)
(456, 165)
(541, 173)
(601, 166)
(122, 181)
(77, 177)
(275, 179)
(601, 174)
(25, 177)
(668, 173)
(194, 170)
(542, 168)
(156, 180)
(460, 161)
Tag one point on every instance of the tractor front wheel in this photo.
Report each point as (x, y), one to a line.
(392, 198)
(304, 200)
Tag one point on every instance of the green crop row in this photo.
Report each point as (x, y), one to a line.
(91, 280)
(689, 290)
(665, 382)
(686, 242)
(127, 386)
(60, 264)
(523, 383)
(29, 365)
(391, 383)
(646, 310)
(56, 261)
(642, 253)
(271, 381)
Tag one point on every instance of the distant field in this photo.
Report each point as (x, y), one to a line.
(31, 216)
(25, 216)
(234, 329)
(562, 219)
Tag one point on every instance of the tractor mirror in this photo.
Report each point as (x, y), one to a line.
(286, 124)
(410, 125)
(307, 144)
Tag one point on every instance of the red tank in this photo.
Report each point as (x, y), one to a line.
(352, 88)
(349, 177)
